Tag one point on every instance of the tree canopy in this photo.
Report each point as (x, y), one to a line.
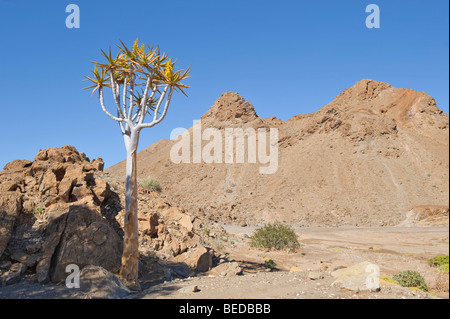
(140, 79)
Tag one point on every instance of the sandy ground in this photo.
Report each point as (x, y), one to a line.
(323, 249)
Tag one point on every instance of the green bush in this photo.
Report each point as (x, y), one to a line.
(275, 236)
(440, 261)
(205, 230)
(410, 278)
(269, 263)
(151, 185)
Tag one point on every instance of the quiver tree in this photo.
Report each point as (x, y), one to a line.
(142, 81)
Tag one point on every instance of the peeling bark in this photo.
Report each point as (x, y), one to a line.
(130, 257)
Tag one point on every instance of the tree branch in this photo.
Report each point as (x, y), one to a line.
(122, 128)
(124, 95)
(161, 98)
(155, 120)
(144, 110)
(147, 87)
(102, 103)
(130, 108)
(116, 94)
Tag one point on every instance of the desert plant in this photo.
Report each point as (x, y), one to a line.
(205, 230)
(441, 262)
(410, 278)
(276, 236)
(39, 214)
(142, 81)
(269, 263)
(151, 185)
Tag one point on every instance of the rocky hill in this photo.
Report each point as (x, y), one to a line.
(62, 209)
(367, 158)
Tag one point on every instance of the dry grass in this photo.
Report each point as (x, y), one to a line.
(440, 282)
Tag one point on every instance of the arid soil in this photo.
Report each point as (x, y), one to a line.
(323, 250)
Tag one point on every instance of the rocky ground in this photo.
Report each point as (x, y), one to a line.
(239, 270)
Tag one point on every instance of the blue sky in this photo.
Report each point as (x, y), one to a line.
(285, 57)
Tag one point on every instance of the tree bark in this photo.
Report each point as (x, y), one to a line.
(130, 257)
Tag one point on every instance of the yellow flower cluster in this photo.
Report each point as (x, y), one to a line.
(169, 68)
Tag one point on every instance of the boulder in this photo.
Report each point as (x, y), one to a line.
(98, 164)
(49, 184)
(98, 283)
(41, 156)
(81, 191)
(77, 234)
(17, 165)
(101, 190)
(11, 278)
(148, 225)
(52, 236)
(74, 175)
(29, 260)
(10, 206)
(227, 269)
(177, 215)
(360, 277)
(87, 240)
(198, 258)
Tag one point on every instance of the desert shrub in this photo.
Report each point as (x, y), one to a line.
(269, 263)
(439, 261)
(276, 236)
(205, 230)
(410, 278)
(151, 185)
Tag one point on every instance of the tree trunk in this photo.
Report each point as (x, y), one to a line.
(130, 256)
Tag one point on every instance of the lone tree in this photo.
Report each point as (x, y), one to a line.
(142, 82)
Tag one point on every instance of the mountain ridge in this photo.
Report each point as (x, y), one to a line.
(365, 158)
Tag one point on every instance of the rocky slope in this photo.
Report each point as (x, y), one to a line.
(367, 158)
(61, 209)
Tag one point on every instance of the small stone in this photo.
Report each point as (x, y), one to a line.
(295, 269)
(188, 289)
(315, 275)
(11, 278)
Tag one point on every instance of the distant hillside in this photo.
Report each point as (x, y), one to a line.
(366, 158)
